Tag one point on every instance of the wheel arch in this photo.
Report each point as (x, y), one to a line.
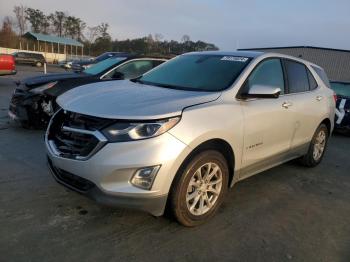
(217, 144)
(328, 124)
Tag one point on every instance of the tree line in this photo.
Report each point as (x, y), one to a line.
(96, 39)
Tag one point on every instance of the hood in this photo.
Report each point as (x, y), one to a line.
(43, 79)
(124, 99)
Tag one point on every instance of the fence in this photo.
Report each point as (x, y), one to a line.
(49, 57)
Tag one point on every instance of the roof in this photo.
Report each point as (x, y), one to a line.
(53, 39)
(250, 54)
(301, 46)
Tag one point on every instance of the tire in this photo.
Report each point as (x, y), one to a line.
(38, 64)
(312, 159)
(182, 202)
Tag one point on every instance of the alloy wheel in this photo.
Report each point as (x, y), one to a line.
(204, 189)
(319, 145)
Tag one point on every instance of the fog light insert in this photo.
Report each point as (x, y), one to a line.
(144, 177)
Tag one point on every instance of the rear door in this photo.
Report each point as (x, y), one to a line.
(307, 102)
(268, 126)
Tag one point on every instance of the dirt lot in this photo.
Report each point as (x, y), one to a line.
(289, 213)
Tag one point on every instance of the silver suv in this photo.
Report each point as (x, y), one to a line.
(185, 132)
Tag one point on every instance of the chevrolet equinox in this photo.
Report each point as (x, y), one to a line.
(183, 133)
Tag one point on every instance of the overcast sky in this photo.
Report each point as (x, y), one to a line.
(226, 23)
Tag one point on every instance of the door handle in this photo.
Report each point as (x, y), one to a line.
(286, 104)
(319, 98)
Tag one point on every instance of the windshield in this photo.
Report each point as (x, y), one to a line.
(341, 89)
(198, 72)
(99, 67)
(103, 57)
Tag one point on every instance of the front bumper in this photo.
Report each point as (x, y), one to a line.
(7, 72)
(26, 108)
(108, 172)
(152, 205)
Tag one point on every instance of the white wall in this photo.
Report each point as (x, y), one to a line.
(49, 57)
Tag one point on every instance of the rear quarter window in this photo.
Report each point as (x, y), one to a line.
(322, 74)
(312, 82)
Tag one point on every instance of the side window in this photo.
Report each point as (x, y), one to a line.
(268, 73)
(322, 74)
(157, 62)
(298, 80)
(312, 82)
(131, 70)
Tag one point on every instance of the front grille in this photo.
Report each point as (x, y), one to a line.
(76, 182)
(74, 135)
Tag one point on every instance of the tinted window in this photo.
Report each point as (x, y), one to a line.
(131, 69)
(312, 82)
(157, 62)
(103, 65)
(268, 73)
(322, 74)
(200, 72)
(103, 57)
(297, 77)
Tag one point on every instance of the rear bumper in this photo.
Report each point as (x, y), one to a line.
(7, 72)
(153, 205)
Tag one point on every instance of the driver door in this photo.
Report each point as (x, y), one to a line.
(268, 125)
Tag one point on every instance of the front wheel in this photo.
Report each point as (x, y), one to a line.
(199, 189)
(317, 147)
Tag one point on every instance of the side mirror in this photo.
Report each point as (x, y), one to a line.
(262, 91)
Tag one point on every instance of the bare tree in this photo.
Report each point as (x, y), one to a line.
(21, 21)
(103, 31)
(8, 37)
(92, 33)
(185, 38)
(158, 37)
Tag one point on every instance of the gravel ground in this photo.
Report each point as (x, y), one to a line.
(289, 213)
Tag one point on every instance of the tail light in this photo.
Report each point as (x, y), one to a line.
(335, 97)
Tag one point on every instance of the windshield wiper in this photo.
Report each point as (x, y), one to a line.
(138, 80)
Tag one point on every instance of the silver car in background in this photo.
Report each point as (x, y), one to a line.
(184, 133)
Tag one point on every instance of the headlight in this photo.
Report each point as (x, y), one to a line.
(40, 89)
(121, 132)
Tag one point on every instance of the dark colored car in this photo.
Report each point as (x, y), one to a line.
(7, 65)
(80, 65)
(342, 112)
(34, 99)
(28, 58)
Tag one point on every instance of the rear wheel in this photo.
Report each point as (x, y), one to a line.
(317, 147)
(199, 189)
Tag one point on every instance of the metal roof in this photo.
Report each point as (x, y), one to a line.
(53, 39)
(336, 62)
(250, 54)
(296, 47)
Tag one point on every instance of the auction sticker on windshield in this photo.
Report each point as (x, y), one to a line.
(235, 59)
